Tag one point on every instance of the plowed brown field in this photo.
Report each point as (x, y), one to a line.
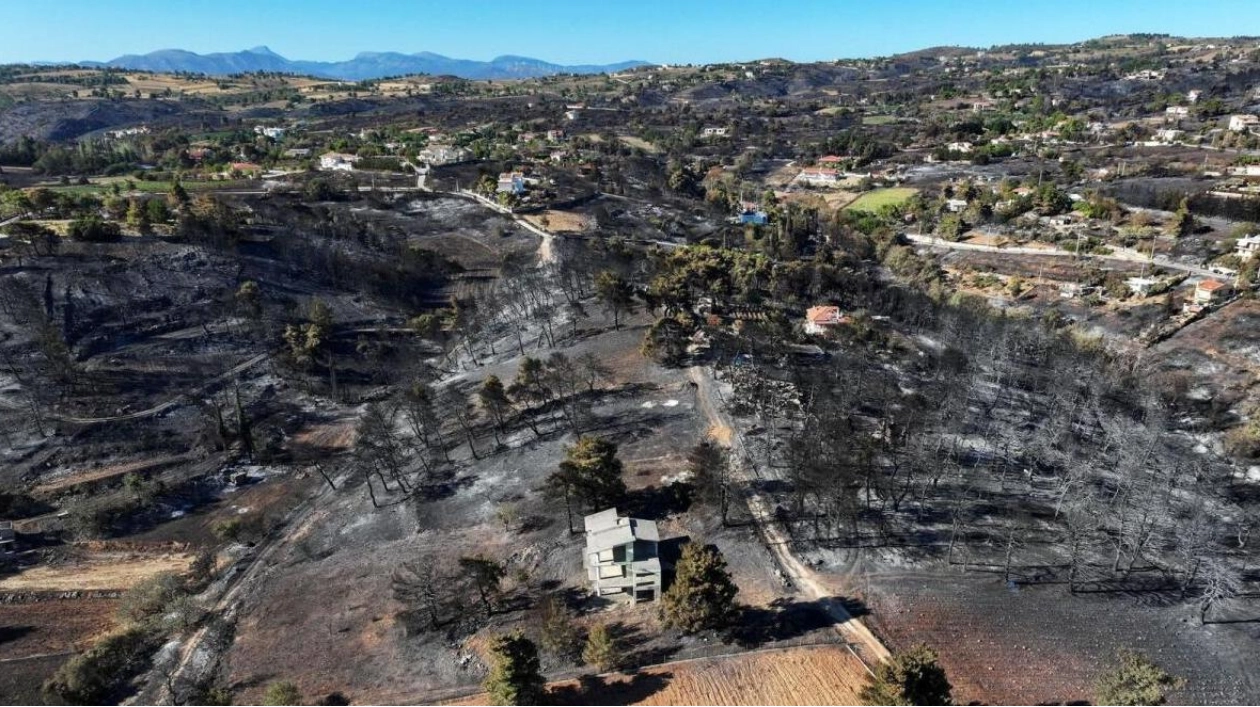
(811, 675)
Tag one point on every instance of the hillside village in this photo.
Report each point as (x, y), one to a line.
(716, 384)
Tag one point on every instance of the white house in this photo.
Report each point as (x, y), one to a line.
(269, 132)
(714, 132)
(337, 162)
(819, 177)
(1141, 286)
(1176, 112)
(1247, 247)
(444, 154)
(127, 132)
(956, 205)
(1210, 292)
(1243, 123)
(963, 147)
(511, 183)
(1168, 135)
(621, 556)
(1194, 96)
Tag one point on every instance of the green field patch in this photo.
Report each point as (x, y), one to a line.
(873, 201)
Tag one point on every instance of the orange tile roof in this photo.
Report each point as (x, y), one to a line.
(823, 315)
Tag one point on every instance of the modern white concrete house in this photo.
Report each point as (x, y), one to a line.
(621, 556)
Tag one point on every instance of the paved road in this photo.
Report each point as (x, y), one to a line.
(869, 649)
(1119, 254)
(14, 219)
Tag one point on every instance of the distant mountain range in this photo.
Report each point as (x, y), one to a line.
(367, 65)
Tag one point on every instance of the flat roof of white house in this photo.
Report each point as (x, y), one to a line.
(605, 530)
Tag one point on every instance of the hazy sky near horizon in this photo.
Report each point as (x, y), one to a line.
(588, 31)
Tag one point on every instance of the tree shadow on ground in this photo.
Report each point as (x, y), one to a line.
(12, 633)
(783, 619)
(658, 502)
(256, 680)
(637, 648)
(596, 690)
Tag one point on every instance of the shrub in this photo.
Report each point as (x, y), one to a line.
(93, 229)
(909, 678)
(1135, 681)
(150, 598)
(98, 676)
(282, 693)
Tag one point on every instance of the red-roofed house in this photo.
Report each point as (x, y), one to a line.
(248, 168)
(830, 160)
(823, 318)
(1210, 292)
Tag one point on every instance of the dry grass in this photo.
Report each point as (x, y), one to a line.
(331, 437)
(43, 627)
(103, 571)
(560, 221)
(106, 472)
(721, 434)
(641, 144)
(814, 675)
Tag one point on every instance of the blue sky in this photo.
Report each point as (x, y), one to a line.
(588, 31)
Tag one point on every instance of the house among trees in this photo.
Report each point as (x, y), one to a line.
(821, 319)
(621, 556)
(1247, 246)
(444, 154)
(511, 183)
(337, 162)
(750, 214)
(819, 177)
(1206, 294)
(1243, 123)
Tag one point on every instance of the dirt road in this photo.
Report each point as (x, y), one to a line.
(545, 253)
(864, 643)
(191, 656)
(163, 407)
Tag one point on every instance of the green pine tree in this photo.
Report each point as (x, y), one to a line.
(601, 649)
(515, 677)
(702, 595)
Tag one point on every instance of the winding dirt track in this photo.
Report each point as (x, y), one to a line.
(163, 407)
(859, 638)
